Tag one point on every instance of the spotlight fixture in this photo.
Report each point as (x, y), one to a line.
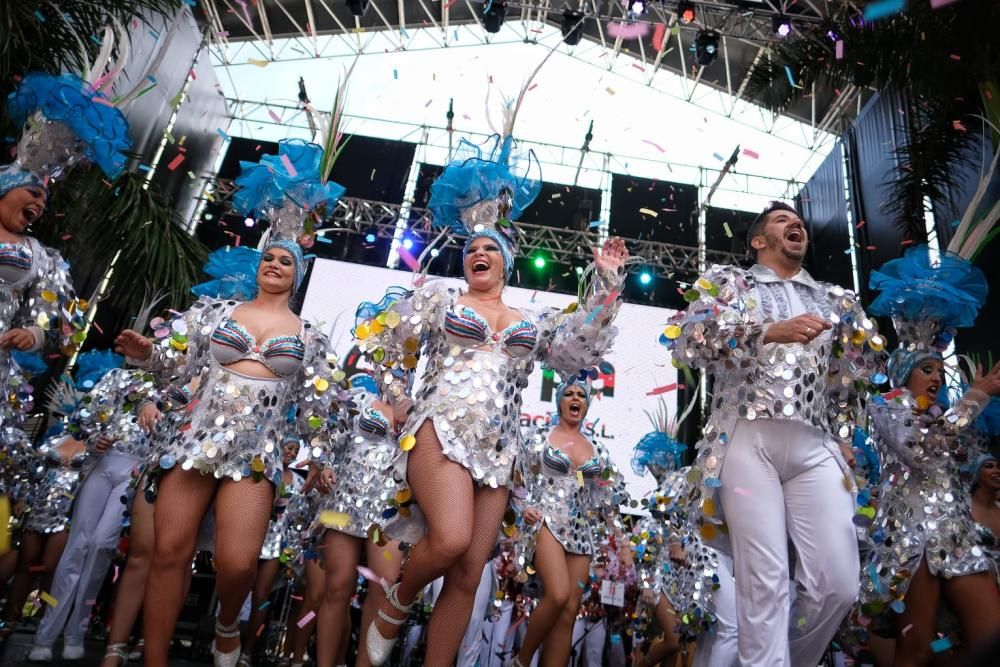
(686, 13)
(408, 243)
(706, 47)
(636, 7)
(782, 26)
(645, 277)
(494, 13)
(370, 238)
(357, 7)
(572, 26)
(539, 262)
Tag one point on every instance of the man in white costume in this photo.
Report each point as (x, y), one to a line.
(784, 352)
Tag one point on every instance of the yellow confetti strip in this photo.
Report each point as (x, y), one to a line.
(258, 63)
(48, 599)
(648, 211)
(332, 519)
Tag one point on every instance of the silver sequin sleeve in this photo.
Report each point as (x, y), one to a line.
(49, 304)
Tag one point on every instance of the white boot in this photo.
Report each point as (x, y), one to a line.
(230, 659)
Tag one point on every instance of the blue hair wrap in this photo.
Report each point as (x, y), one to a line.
(912, 289)
(234, 273)
(13, 176)
(295, 250)
(902, 362)
(657, 449)
(100, 126)
(92, 366)
(266, 184)
(506, 250)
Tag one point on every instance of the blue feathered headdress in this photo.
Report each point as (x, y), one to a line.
(97, 123)
(657, 450)
(94, 365)
(234, 273)
(927, 301)
(269, 183)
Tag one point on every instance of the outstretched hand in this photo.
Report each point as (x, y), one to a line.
(612, 256)
(21, 339)
(799, 329)
(133, 345)
(988, 383)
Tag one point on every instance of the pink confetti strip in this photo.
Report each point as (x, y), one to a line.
(274, 116)
(751, 154)
(288, 166)
(176, 162)
(654, 145)
(370, 575)
(304, 621)
(839, 49)
(662, 390)
(408, 259)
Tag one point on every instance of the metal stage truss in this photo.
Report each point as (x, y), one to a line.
(360, 217)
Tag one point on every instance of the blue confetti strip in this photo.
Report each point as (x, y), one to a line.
(939, 645)
(40, 16)
(880, 10)
(791, 77)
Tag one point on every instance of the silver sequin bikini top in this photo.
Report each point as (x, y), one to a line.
(556, 460)
(15, 262)
(465, 327)
(231, 342)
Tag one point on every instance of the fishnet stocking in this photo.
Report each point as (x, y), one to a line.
(340, 560)
(183, 500)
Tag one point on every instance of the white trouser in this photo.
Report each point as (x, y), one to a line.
(499, 639)
(588, 642)
(472, 642)
(718, 648)
(93, 538)
(779, 483)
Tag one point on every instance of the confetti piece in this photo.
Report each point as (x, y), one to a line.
(659, 35)
(937, 4)
(608, 300)
(395, 74)
(718, 157)
(176, 162)
(838, 49)
(89, 603)
(40, 16)
(741, 491)
(647, 211)
(654, 145)
(880, 10)
(260, 629)
(906, 629)
(662, 390)
(958, 125)
(408, 259)
(264, 605)
(939, 645)
(860, 225)
(579, 481)
(791, 77)
(595, 224)
(304, 621)
(258, 63)
(428, 102)
(48, 599)
(754, 155)
(275, 117)
(727, 230)
(288, 166)
(610, 90)
(222, 133)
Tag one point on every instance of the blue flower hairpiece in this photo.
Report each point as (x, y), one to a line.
(30, 362)
(94, 365)
(13, 176)
(234, 273)
(294, 173)
(658, 449)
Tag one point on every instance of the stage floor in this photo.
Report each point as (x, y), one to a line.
(15, 653)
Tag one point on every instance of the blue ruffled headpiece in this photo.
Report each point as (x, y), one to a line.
(476, 176)
(926, 302)
(977, 465)
(68, 99)
(30, 362)
(13, 176)
(266, 184)
(92, 366)
(295, 250)
(369, 310)
(234, 273)
(657, 450)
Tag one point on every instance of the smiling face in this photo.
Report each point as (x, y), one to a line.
(289, 452)
(926, 380)
(989, 475)
(20, 207)
(276, 272)
(484, 268)
(783, 234)
(573, 405)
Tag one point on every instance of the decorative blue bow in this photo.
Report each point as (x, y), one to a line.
(265, 184)
(234, 270)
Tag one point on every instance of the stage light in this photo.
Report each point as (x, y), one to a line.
(636, 7)
(782, 26)
(572, 26)
(706, 47)
(369, 238)
(494, 13)
(249, 222)
(645, 278)
(686, 13)
(539, 262)
(408, 244)
(357, 7)
(435, 252)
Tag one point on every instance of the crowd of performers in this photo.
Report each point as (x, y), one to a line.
(841, 499)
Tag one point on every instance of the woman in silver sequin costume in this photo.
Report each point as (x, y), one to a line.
(352, 519)
(259, 366)
(574, 492)
(276, 540)
(460, 440)
(925, 548)
(986, 504)
(55, 470)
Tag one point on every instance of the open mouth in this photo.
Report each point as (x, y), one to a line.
(31, 213)
(932, 390)
(272, 273)
(480, 266)
(795, 235)
(575, 409)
